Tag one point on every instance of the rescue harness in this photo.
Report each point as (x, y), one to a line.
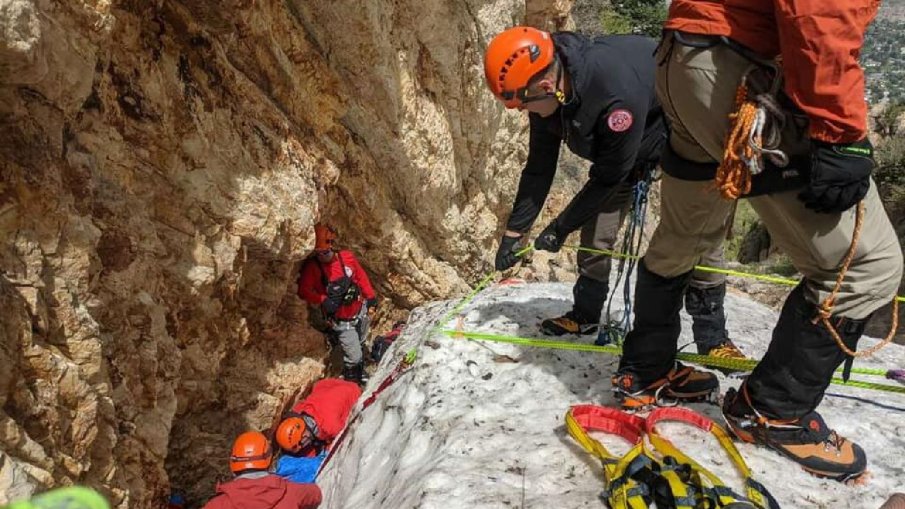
(661, 474)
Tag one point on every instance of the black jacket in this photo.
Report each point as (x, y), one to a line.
(612, 119)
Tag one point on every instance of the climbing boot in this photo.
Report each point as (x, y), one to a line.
(681, 384)
(569, 323)
(806, 440)
(725, 350)
(356, 373)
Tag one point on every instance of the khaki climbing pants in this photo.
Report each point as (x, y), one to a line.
(697, 89)
(601, 232)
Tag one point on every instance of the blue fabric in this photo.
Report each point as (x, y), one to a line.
(299, 469)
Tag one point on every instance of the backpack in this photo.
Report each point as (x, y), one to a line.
(383, 342)
(342, 290)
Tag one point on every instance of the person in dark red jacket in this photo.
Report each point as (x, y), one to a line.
(313, 423)
(335, 282)
(254, 486)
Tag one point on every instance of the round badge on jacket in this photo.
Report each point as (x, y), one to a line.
(619, 120)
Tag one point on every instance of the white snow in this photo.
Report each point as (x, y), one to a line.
(480, 424)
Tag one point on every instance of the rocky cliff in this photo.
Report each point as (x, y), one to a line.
(163, 163)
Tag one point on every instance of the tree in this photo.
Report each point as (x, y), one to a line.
(644, 17)
(888, 119)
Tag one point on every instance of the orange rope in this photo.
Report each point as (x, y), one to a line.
(825, 309)
(733, 178)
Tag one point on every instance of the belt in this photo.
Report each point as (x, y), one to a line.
(346, 324)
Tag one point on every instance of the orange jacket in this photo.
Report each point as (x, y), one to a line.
(819, 41)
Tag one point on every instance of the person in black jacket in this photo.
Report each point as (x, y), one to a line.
(596, 96)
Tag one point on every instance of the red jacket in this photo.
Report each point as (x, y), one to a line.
(819, 41)
(329, 404)
(269, 492)
(311, 282)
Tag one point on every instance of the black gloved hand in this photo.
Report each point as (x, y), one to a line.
(550, 239)
(840, 175)
(330, 305)
(506, 254)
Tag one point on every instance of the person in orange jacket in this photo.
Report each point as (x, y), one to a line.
(254, 486)
(797, 61)
(311, 424)
(333, 281)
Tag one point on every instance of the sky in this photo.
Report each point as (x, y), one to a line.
(480, 424)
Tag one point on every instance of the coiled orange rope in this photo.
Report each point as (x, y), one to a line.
(733, 177)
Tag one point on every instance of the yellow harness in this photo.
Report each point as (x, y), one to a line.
(664, 475)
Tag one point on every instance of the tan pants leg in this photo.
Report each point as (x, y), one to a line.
(817, 244)
(697, 89)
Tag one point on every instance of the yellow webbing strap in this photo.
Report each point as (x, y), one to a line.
(622, 491)
(756, 493)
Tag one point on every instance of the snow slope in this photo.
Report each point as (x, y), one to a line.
(478, 424)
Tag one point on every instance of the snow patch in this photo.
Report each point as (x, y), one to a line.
(468, 427)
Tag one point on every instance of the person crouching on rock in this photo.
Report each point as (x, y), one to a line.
(312, 424)
(335, 282)
(254, 486)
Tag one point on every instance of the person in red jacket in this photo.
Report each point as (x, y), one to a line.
(335, 282)
(254, 486)
(313, 423)
(766, 99)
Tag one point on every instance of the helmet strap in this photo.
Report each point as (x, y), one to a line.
(559, 93)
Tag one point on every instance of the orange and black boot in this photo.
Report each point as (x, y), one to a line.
(569, 323)
(806, 440)
(648, 373)
(681, 384)
(778, 401)
(584, 318)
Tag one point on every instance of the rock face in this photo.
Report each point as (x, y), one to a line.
(163, 163)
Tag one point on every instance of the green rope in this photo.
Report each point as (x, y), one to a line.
(477, 289)
(705, 268)
(706, 360)
(465, 300)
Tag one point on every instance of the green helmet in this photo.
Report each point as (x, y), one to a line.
(73, 497)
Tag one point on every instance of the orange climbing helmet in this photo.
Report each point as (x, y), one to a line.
(293, 434)
(251, 451)
(324, 236)
(513, 57)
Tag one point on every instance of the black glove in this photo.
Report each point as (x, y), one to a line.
(840, 175)
(330, 305)
(506, 254)
(550, 239)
